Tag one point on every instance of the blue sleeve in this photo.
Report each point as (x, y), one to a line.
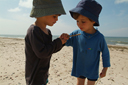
(69, 41)
(105, 53)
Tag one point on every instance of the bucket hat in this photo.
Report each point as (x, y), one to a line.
(46, 7)
(88, 8)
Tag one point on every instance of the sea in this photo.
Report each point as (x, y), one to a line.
(121, 41)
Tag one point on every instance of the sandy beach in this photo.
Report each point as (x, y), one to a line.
(12, 65)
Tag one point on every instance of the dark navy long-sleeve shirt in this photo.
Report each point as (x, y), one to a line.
(38, 50)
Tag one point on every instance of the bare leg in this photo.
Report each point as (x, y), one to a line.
(80, 81)
(91, 82)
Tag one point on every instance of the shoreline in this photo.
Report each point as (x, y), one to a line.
(109, 45)
(12, 65)
(118, 46)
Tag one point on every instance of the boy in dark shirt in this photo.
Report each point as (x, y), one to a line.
(38, 41)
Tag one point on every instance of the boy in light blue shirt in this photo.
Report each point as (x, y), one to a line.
(88, 45)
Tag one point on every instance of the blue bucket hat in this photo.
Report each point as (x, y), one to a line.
(88, 8)
(46, 7)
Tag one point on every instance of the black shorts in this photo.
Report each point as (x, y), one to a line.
(82, 77)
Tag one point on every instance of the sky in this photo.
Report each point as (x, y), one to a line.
(15, 20)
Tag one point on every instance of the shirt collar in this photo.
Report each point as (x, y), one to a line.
(87, 35)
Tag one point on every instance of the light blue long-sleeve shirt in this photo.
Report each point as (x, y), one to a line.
(86, 53)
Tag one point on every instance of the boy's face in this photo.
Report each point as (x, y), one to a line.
(85, 24)
(50, 20)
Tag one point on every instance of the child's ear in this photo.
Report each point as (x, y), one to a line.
(93, 22)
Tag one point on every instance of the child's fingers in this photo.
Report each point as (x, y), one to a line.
(65, 36)
(62, 35)
(63, 40)
(102, 75)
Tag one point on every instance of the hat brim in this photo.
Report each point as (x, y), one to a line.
(38, 12)
(86, 13)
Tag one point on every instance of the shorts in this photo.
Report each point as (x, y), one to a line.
(46, 82)
(82, 77)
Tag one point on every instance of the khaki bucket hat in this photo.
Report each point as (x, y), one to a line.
(46, 7)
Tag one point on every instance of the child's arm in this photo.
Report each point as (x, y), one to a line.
(105, 57)
(64, 37)
(70, 40)
(103, 73)
(40, 48)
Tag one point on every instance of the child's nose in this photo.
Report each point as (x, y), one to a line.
(57, 19)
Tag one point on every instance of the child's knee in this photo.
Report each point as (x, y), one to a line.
(80, 81)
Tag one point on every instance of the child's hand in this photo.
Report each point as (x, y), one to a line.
(103, 73)
(64, 37)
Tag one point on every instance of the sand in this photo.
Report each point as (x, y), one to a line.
(12, 65)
